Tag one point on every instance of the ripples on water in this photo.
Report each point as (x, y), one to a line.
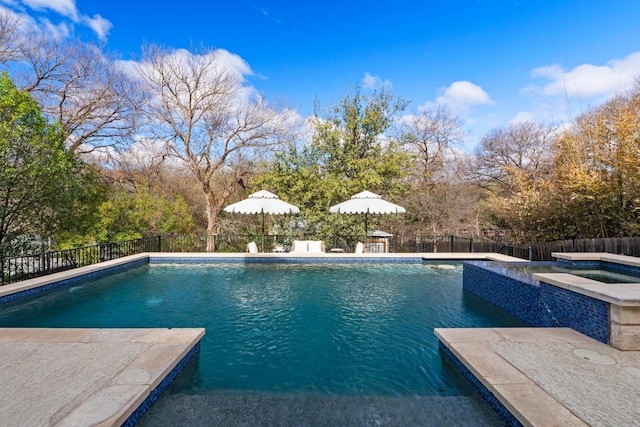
(352, 329)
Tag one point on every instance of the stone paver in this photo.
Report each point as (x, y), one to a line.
(83, 377)
(570, 379)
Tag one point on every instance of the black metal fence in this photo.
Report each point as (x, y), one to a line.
(23, 267)
(347, 244)
(16, 268)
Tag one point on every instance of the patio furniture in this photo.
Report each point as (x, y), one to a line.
(308, 246)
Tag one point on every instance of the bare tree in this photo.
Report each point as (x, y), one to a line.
(9, 36)
(441, 202)
(520, 150)
(79, 86)
(432, 135)
(209, 120)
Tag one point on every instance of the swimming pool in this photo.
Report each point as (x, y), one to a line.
(343, 332)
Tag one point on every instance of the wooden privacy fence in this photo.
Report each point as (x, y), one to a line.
(616, 245)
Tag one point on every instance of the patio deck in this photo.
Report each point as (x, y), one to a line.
(84, 377)
(551, 376)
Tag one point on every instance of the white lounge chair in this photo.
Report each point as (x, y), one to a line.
(252, 248)
(359, 248)
(308, 246)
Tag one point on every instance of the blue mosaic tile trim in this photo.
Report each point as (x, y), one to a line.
(595, 265)
(621, 268)
(513, 296)
(71, 281)
(564, 308)
(283, 260)
(161, 388)
(600, 265)
(493, 402)
(518, 271)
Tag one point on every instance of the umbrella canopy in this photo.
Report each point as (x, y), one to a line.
(366, 203)
(262, 202)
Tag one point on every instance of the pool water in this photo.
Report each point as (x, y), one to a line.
(348, 330)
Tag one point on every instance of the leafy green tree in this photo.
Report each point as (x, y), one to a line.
(349, 152)
(39, 177)
(127, 215)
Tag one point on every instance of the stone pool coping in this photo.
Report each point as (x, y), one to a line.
(598, 256)
(549, 376)
(73, 376)
(620, 294)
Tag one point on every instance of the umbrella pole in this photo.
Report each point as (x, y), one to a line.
(263, 231)
(366, 223)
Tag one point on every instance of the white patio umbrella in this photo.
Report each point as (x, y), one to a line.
(366, 203)
(262, 202)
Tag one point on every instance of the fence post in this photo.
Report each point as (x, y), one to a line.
(471, 244)
(159, 243)
(530, 254)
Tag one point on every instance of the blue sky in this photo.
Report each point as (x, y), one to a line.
(490, 62)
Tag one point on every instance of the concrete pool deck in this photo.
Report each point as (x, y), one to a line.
(551, 376)
(84, 377)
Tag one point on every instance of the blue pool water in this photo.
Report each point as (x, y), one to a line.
(349, 330)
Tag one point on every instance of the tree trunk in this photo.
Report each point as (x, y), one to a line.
(212, 218)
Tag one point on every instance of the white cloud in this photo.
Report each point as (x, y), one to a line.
(459, 98)
(232, 62)
(225, 62)
(99, 25)
(63, 7)
(523, 116)
(588, 80)
(26, 22)
(57, 31)
(38, 15)
(375, 82)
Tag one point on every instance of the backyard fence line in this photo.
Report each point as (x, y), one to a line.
(17, 268)
(630, 246)
(28, 266)
(23, 267)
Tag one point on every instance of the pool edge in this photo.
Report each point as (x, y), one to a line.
(97, 376)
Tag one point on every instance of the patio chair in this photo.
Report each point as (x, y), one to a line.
(308, 246)
(359, 248)
(299, 246)
(315, 246)
(252, 248)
